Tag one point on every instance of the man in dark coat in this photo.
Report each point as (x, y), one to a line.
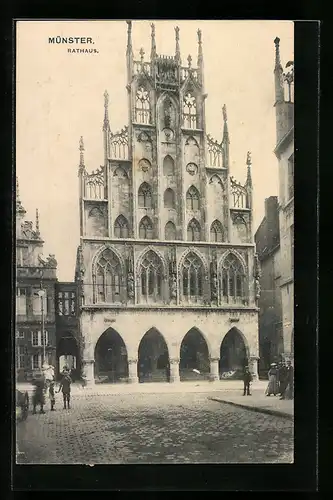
(289, 389)
(38, 395)
(247, 379)
(65, 387)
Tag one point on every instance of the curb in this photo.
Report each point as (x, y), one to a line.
(256, 409)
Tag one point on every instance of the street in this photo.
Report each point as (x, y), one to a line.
(152, 428)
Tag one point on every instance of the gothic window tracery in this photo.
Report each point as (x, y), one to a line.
(169, 198)
(192, 273)
(192, 199)
(233, 278)
(146, 229)
(190, 111)
(170, 231)
(142, 106)
(216, 231)
(168, 165)
(151, 272)
(145, 196)
(193, 231)
(121, 227)
(108, 277)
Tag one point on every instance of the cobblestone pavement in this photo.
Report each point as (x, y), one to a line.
(153, 428)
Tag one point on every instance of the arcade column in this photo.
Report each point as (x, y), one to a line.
(253, 366)
(88, 371)
(133, 371)
(174, 371)
(214, 369)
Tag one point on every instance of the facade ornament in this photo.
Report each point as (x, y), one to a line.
(142, 55)
(213, 276)
(178, 60)
(257, 267)
(51, 261)
(174, 361)
(189, 60)
(224, 111)
(130, 273)
(173, 286)
(257, 289)
(41, 260)
(37, 224)
(132, 361)
(81, 262)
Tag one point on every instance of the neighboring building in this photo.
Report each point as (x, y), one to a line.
(166, 265)
(267, 240)
(67, 327)
(33, 273)
(284, 150)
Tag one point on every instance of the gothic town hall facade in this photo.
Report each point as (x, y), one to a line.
(166, 266)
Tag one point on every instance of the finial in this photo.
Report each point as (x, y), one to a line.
(37, 222)
(106, 111)
(129, 50)
(249, 162)
(81, 148)
(142, 53)
(189, 59)
(277, 52)
(153, 42)
(199, 37)
(177, 45)
(224, 111)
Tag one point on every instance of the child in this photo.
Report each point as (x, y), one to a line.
(247, 379)
(52, 395)
(65, 386)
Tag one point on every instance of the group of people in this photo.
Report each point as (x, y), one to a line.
(281, 380)
(46, 383)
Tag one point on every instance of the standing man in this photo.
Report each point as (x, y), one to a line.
(65, 386)
(282, 377)
(289, 389)
(247, 379)
(38, 394)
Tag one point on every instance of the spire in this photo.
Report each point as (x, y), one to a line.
(249, 176)
(278, 72)
(200, 59)
(225, 139)
(19, 207)
(106, 124)
(178, 59)
(129, 50)
(81, 148)
(153, 42)
(142, 55)
(37, 223)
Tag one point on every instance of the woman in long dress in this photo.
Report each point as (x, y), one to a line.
(273, 386)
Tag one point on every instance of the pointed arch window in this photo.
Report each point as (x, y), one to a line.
(146, 229)
(168, 165)
(145, 196)
(169, 198)
(190, 111)
(108, 277)
(233, 279)
(170, 231)
(192, 199)
(142, 106)
(121, 227)
(192, 276)
(151, 272)
(216, 231)
(193, 231)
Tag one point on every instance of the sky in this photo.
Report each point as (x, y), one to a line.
(59, 97)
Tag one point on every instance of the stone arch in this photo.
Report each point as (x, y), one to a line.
(237, 255)
(99, 252)
(153, 357)
(165, 95)
(234, 352)
(111, 357)
(67, 347)
(216, 231)
(157, 252)
(198, 254)
(216, 178)
(193, 140)
(120, 172)
(169, 198)
(95, 212)
(194, 354)
(168, 165)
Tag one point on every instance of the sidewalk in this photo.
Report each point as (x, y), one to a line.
(258, 402)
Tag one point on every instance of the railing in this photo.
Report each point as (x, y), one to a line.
(184, 73)
(139, 67)
(94, 185)
(239, 195)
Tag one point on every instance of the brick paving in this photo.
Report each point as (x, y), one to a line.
(153, 428)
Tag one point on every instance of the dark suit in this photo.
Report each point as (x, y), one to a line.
(247, 379)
